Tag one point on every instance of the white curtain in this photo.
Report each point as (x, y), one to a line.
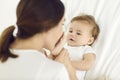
(107, 47)
(7, 13)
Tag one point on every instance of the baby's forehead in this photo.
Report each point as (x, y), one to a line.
(74, 28)
(80, 25)
(80, 22)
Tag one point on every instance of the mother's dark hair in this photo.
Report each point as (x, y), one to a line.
(33, 16)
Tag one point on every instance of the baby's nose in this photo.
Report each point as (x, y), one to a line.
(72, 34)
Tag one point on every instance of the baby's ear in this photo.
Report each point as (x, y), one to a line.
(91, 40)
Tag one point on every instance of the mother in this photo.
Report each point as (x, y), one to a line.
(39, 24)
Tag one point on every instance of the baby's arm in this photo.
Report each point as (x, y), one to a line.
(86, 63)
(58, 47)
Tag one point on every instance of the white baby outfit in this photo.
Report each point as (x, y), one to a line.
(76, 53)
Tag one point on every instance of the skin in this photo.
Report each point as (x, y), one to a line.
(79, 34)
(59, 46)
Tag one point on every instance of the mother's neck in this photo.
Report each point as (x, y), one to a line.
(36, 42)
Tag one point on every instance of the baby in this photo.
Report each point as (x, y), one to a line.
(82, 33)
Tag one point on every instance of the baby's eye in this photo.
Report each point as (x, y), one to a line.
(70, 31)
(78, 33)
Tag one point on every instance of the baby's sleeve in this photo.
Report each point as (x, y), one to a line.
(89, 49)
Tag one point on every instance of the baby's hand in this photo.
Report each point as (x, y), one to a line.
(59, 46)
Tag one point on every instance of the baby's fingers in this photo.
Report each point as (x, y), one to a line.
(59, 46)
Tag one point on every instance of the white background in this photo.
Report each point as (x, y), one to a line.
(107, 15)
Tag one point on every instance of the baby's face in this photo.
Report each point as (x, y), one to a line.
(79, 34)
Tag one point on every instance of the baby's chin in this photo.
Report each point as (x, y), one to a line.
(73, 45)
(70, 43)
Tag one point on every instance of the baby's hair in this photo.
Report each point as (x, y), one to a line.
(90, 20)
